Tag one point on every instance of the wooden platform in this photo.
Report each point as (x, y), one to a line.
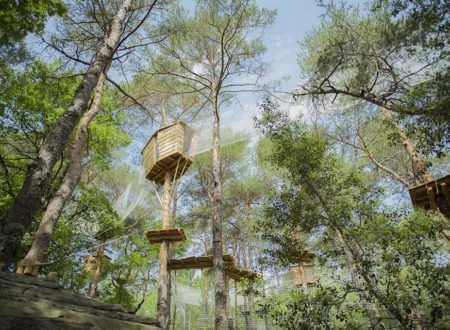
(158, 236)
(203, 262)
(176, 163)
(433, 195)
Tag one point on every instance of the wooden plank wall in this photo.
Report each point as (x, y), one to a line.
(164, 144)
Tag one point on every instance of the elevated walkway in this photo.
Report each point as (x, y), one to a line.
(203, 262)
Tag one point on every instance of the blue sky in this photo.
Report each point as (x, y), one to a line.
(294, 19)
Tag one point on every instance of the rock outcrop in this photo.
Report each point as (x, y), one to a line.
(33, 303)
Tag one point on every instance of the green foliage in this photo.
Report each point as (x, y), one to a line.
(19, 17)
(369, 64)
(427, 21)
(432, 98)
(31, 100)
(323, 308)
(320, 196)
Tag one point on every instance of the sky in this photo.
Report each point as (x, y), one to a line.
(293, 21)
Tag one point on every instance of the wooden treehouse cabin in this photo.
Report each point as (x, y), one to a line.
(303, 274)
(433, 195)
(167, 150)
(93, 262)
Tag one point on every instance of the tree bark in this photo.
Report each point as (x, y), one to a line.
(41, 242)
(303, 277)
(236, 313)
(98, 270)
(351, 254)
(250, 259)
(163, 307)
(220, 296)
(421, 173)
(29, 200)
(174, 318)
(230, 324)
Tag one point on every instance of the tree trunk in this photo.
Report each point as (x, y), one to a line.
(206, 294)
(351, 254)
(303, 277)
(250, 259)
(98, 270)
(236, 313)
(41, 242)
(29, 200)
(277, 277)
(421, 174)
(229, 311)
(220, 296)
(174, 318)
(163, 307)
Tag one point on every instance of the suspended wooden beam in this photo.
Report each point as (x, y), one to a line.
(203, 262)
(197, 262)
(158, 236)
(433, 195)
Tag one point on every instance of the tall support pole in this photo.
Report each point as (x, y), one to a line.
(229, 311)
(163, 307)
(420, 169)
(220, 295)
(236, 313)
(303, 276)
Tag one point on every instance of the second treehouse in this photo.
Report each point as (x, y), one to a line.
(165, 160)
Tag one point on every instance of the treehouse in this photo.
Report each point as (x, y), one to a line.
(433, 195)
(91, 263)
(304, 273)
(167, 150)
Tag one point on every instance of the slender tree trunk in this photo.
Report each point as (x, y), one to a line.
(303, 277)
(247, 313)
(163, 307)
(351, 254)
(421, 173)
(98, 270)
(29, 200)
(174, 307)
(277, 277)
(171, 253)
(206, 295)
(236, 313)
(229, 311)
(250, 258)
(41, 241)
(217, 213)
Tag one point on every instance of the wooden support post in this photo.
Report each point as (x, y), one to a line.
(236, 314)
(432, 197)
(96, 279)
(303, 276)
(163, 307)
(229, 312)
